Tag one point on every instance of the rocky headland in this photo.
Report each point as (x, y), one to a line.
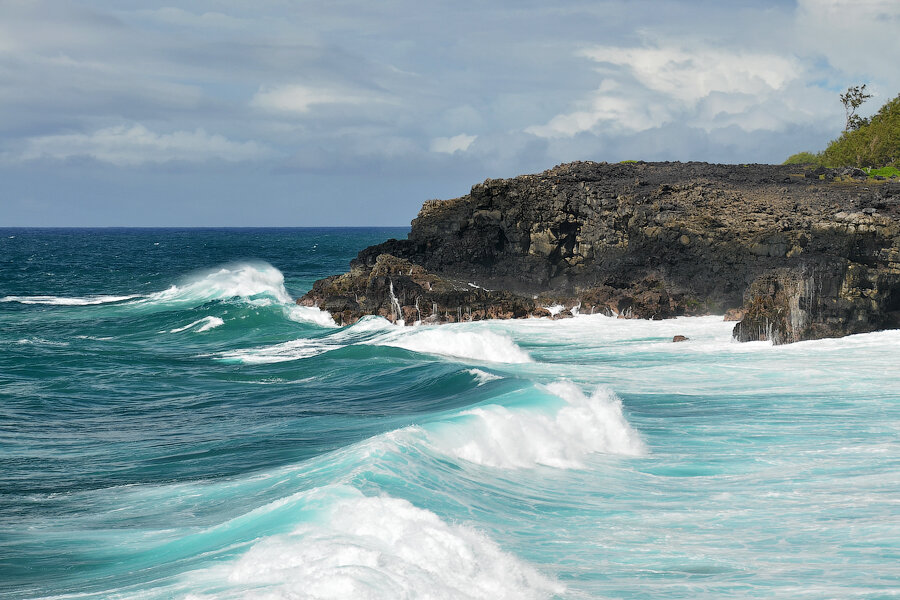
(789, 253)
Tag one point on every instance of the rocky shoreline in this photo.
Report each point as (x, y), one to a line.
(790, 253)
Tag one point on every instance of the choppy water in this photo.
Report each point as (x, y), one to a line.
(172, 425)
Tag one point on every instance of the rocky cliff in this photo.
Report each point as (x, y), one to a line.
(794, 254)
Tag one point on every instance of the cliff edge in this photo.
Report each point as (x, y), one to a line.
(791, 253)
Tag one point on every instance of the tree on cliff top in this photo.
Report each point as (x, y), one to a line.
(875, 143)
(852, 99)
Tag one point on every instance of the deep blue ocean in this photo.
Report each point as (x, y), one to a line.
(173, 425)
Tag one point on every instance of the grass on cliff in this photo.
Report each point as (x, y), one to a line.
(875, 145)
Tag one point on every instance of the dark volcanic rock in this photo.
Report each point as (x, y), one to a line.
(806, 253)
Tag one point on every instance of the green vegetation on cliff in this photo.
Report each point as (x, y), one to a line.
(867, 143)
(874, 144)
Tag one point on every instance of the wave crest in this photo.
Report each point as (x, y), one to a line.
(443, 341)
(382, 547)
(497, 436)
(260, 282)
(205, 324)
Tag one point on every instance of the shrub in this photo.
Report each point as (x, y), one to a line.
(802, 158)
(875, 144)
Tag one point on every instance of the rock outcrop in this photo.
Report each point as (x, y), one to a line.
(794, 254)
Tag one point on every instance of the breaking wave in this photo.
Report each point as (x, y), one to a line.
(354, 546)
(259, 282)
(556, 435)
(473, 345)
(64, 301)
(204, 324)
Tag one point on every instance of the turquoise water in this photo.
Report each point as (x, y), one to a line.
(172, 425)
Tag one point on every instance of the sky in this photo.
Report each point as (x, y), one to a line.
(352, 113)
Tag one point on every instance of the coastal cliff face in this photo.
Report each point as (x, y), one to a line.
(794, 254)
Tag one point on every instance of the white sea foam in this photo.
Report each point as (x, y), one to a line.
(372, 323)
(251, 281)
(66, 301)
(286, 351)
(555, 309)
(204, 324)
(379, 547)
(482, 377)
(361, 331)
(520, 437)
(310, 314)
(36, 341)
(442, 340)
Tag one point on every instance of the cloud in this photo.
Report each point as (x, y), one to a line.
(649, 86)
(449, 145)
(132, 145)
(688, 75)
(857, 37)
(301, 98)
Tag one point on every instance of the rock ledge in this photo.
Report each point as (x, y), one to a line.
(791, 254)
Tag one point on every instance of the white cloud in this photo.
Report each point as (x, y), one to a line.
(131, 145)
(449, 145)
(857, 37)
(648, 87)
(301, 98)
(689, 75)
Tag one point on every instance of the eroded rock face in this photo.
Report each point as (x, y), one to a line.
(648, 240)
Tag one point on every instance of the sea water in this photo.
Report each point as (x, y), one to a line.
(172, 425)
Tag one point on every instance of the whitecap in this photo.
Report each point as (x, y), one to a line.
(354, 546)
(249, 281)
(559, 436)
(67, 301)
(482, 377)
(473, 345)
(284, 352)
(205, 324)
(310, 314)
(40, 342)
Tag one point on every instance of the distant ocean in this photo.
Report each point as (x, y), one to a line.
(173, 425)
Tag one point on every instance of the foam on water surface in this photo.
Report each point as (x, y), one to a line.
(201, 325)
(252, 281)
(354, 546)
(310, 314)
(591, 451)
(555, 434)
(443, 340)
(66, 301)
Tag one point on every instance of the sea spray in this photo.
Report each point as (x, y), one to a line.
(354, 546)
(251, 280)
(556, 435)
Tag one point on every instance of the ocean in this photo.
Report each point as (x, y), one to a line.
(173, 425)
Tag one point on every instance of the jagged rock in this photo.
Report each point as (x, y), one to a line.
(644, 240)
(398, 290)
(830, 299)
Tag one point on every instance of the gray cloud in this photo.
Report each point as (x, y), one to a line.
(405, 98)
